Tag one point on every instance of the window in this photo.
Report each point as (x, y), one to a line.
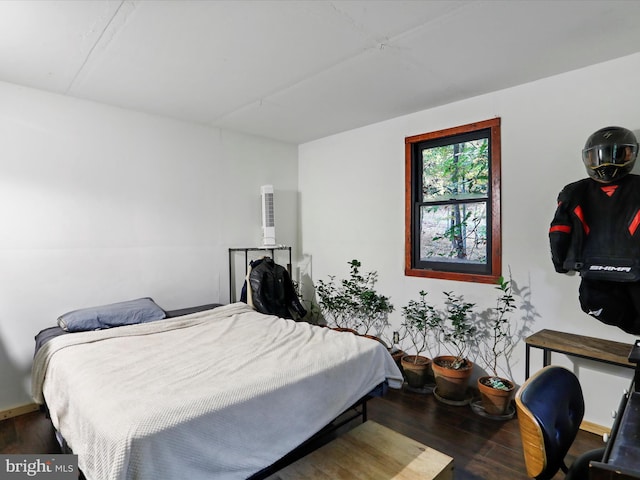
(452, 195)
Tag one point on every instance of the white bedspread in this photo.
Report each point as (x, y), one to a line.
(220, 394)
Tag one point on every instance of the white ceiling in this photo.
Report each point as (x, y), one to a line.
(301, 70)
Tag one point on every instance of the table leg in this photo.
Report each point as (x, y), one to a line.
(547, 357)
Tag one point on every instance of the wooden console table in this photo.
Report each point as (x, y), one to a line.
(596, 349)
(374, 452)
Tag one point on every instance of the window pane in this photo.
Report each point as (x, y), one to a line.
(456, 171)
(454, 233)
(452, 203)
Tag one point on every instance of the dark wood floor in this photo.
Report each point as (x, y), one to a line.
(29, 433)
(481, 448)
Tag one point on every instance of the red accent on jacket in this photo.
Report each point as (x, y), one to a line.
(580, 215)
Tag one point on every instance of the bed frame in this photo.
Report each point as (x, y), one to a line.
(357, 411)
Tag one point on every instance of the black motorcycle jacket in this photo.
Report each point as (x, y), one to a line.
(596, 229)
(271, 290)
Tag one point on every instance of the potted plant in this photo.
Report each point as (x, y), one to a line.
(452, 372)
(496, 392)
(334, 304)
(421, 324)
(373, 313)
(354, 304)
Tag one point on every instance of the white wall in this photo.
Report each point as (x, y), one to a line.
(352, 202)
(100, 204)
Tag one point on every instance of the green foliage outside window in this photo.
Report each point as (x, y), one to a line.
(456, 176)
(452, 194)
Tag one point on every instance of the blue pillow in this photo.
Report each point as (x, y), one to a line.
(113, 315)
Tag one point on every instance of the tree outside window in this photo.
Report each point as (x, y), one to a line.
(453, 203)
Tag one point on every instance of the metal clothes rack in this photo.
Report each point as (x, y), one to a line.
(234, 250)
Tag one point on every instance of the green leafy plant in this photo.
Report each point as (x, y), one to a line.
(499, 341)
(333, 302)
(458, 330)
(354, 302)
(422, 324)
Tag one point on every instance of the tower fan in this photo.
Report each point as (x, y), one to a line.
(268, 218)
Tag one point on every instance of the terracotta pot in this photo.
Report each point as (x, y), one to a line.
(397, 357)
(495, 401)
(341, 329)
(451, 383)
(416, 373)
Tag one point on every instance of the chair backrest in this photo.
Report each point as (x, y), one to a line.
(550, 409)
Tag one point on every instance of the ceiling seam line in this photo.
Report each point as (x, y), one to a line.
(376, 44)
(75, 77)
(264, 98)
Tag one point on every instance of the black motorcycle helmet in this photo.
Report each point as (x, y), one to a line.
(610, 154)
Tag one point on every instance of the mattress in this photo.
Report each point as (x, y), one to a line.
(217, 394)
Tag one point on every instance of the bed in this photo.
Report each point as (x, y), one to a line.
(222, 393)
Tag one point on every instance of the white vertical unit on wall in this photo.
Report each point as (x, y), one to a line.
(268, 216)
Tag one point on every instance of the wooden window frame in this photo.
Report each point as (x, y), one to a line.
(494, 218)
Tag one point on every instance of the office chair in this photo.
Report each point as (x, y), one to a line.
(550, 408)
